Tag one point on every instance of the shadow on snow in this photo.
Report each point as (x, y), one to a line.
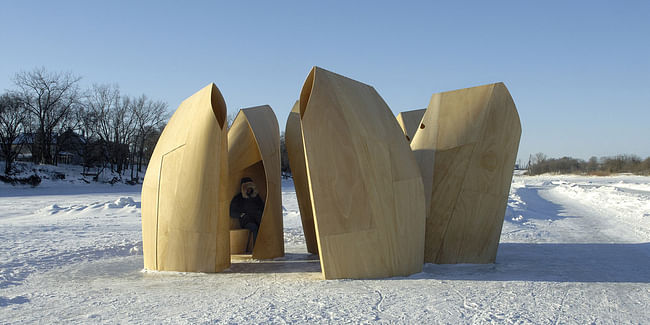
(534, 206)
(555, 262)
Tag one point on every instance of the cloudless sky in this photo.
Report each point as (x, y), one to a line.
(579, 71)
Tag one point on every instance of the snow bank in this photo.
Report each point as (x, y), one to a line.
(65, 175)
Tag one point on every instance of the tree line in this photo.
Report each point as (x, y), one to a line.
(540, 164)
(50, 116)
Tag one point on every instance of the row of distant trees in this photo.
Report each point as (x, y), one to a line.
(540, 164)
(48, 113)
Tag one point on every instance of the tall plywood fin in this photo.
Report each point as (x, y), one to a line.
(473, 134)
(254, 151)
(365, 189)
(184, 221)
(296, 153)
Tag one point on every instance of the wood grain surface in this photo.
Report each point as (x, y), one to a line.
(466, 147)
(185, 224)
(366, 191)
(254, 151)
(296, 153)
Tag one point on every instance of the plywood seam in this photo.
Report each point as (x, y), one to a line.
(311, 197)
(444, 234)
(453, 210)
(162, 159)
(309, 176)
(486, 113)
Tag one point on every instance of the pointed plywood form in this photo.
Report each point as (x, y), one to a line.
(254, 151)
(474, 135)
(296, 153)
(366, 191)
(184, 212)
(409, 121)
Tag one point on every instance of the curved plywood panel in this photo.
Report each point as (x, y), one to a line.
(296, 153)
(254, 151)
(184, 212)
(365, 187)
(474, 135)
(409, 121)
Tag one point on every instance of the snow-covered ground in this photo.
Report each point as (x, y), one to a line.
(573, 250)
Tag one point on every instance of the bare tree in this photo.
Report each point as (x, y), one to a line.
(49, 97)
(101, 100)
(114, 123)
(122, 122)
(645, 167)
(87, 126)
(592, 164)
(536, 163)
(12, 122)
(148, 118)
(284, 156)
(64, 133)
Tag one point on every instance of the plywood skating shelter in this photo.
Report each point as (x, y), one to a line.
(372, 205)
(184, 209)
(296, 153)
(366, 191)
(409, 121)
(466, 147)
(254, 151)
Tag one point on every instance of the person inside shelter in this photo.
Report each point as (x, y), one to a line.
(247, 207)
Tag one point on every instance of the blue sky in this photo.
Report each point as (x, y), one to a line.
(579, 71)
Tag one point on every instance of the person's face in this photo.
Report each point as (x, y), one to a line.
(250, 189)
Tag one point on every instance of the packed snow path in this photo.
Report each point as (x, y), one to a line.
(573, 250)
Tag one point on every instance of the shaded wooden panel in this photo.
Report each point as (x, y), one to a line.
(409, 121)
(365, 188)
(239, 239)
(254, 151)
(242, 147)
(184, 221)
(296, 153)
(466, 148)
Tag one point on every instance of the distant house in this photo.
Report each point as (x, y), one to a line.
(24, 144)
(70, 147)
(67, 147)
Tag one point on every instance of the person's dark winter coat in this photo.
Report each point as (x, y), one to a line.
(248, 207)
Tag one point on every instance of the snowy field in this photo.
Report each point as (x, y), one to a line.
(573, 250)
